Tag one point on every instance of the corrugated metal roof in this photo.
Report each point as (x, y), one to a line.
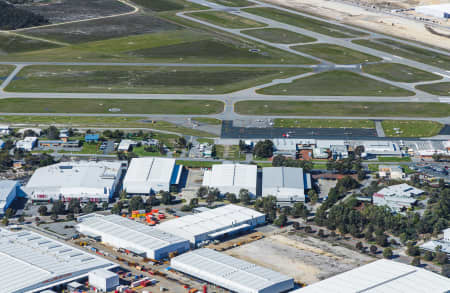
(226, 271)
(28, 258)
(142, 236)
(238, 175)
(383, 276)
(6, 186)
(287, 177)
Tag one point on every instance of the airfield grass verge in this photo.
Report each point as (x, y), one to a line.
(13, 43)
(323, 123)
(399, 72)
(103, 106)
(336, 54)
(140, 79)
(226, 20)
(278, 35)
(5, 70)
(394, 159)
(354, 109)
(308, 23)
(336, 83)
(439, 89)
(408, 51)
(206, 120)
(160, 5)
(411, 128)
(233, 3)
(101, 122)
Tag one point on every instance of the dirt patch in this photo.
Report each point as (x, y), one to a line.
(306, 259)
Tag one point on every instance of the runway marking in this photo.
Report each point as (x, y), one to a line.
(444, 100)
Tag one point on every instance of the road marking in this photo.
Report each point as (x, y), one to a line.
(441, 74)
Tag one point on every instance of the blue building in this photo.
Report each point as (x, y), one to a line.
(8, 192)
(91, 137)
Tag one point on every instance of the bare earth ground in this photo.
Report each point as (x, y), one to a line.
(306, 259)
(377, 21)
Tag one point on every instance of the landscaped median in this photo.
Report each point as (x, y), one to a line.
(353, 109)
(142, 79)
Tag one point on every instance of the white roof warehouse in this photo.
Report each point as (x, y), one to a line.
(232, 178)
(31, 262)
(94, 181)
(287, 184)
(230, 273)
(124, 233)
(214, 223)
(382, 276)
(147, 175)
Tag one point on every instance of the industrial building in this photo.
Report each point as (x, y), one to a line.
(103, 280)
(126, 145)
(443, 244)
(141, 239)
(397, 197)
(287, 184)
(5, 129)
(32, 262)
(439, 10)
(213, 224)
(8, 192)
(391, 172)
(27, 144)
(151, 174)
(231, 273)
(380, 148)
(231, 178)
(385, 276)
(2, 144)
(85, 180)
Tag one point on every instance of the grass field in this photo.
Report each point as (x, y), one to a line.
(138, 106)
(110, 122)
(408, 51)
(336, 83)
(206, 120)
(336, 54)
(179, 46)
(197, 164)
(229, 152)
(139, 79)
(226, 20)
(323, 123)
(233, 3)
(10, 43)
(140, 151)
(399, 72)
(356, 109)
(278, 35)
(5, 70)
(308, 23)
(393, 159)
(439, 89)
(411, 128)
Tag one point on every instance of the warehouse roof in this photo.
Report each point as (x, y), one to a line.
(229, 272)
(286, 177)
(141, 235)
(209, 221)
(6, 186)
(145, 171)
(237, 175)
(382, 276)
(400, 190)
(30, 261)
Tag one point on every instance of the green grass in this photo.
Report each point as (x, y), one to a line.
(323, 123)
(137, 106)
(373, 167)
(399, 72)
(229, 152)
(308, 23)
(140, 151)
(233, 3)
(102, 122)
(159, 5)
(336, 83)
(206, 120)
(439, 89)
(226, 20)
(411, 128)
(156, 80)
(336, 54)
(278, 35)
(205, 140)
(356, 109)
(197, 164)
(393, 159)
(408, 51)
(87, 149)
(408, 170)
(5, 70)
(11, 43)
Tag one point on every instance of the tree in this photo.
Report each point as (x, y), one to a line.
(58, 208)
(166, 198)
(123, 195)
(281, 220)
(193, 203)
(441, 258)
(308, 229)
(74, 206)
(359, 245)
(211, 197)
(242, 146)
(359, 150)
(231, 197)
(42, 210)
(9, 213)
(116, 209)
(413, 250)
(105, 205)
(428, 256)
(263, 149)
(214, 151)
(313, 196)
(373, 249)
(244, 196)
(387, 253)
(70, 217)
(361, 175)
(445, 271)
(90, 207)
(299, 210)
(202, 191)
(382, 240)
(21, 219)
(321, 233)
(136, 203)
(416, 261)
(54, 217)
(181, 142)
(52, 132)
